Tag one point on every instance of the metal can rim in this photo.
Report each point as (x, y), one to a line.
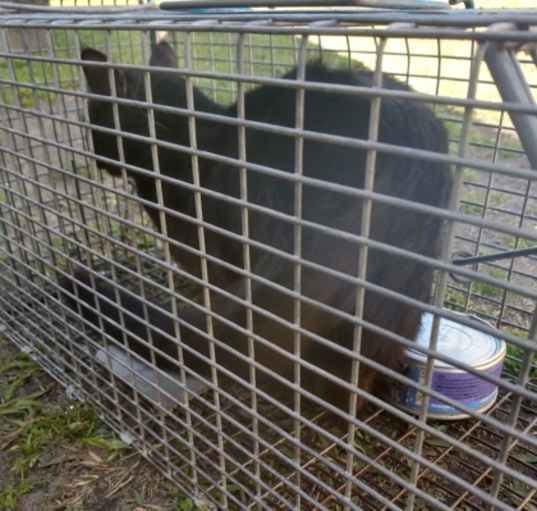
(421, 358)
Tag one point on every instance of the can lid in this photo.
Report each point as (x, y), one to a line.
(458, 341)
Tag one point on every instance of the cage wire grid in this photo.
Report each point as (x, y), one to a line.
(236, 445)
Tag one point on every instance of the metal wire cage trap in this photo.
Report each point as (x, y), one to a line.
(224, 437)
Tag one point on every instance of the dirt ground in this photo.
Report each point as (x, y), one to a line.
(56, 455)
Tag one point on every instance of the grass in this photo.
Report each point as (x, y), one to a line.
(513, 363)
(24, 71)
(455, 298)
(11, 494)
(29, 428)
(60, 453)
(183, 502)
(486, 289)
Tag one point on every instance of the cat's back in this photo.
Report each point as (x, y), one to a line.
(346, 111)
(403, 121)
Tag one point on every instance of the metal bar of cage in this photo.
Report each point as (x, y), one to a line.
(170, 276)
(354, 192)
(440, 289)
(448, 359)
(370, 164)
(449, 18)
(233, 452)
(470, 274)
(427, 351)
(389, 4)
(443, 357)
(268, 25)
(303, 495)
(293, 84)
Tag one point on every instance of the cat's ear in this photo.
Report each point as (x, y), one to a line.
(97, 77)
(163, 55)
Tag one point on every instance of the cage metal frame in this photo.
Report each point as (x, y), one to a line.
(302, 25)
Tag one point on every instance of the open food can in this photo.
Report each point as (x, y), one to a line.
(479, 350)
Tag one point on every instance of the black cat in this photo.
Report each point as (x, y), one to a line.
(404, 123)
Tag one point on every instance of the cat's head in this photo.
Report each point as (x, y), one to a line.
(129, 84)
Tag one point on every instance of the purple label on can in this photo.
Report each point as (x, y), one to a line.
(464, 387)
(467, 388)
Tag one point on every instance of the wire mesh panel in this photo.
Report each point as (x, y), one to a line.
(290, 257)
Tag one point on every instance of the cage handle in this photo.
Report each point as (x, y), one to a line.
(507, 254)
(464, 258)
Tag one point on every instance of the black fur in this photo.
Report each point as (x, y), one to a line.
(75, 290)
(404, 123)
